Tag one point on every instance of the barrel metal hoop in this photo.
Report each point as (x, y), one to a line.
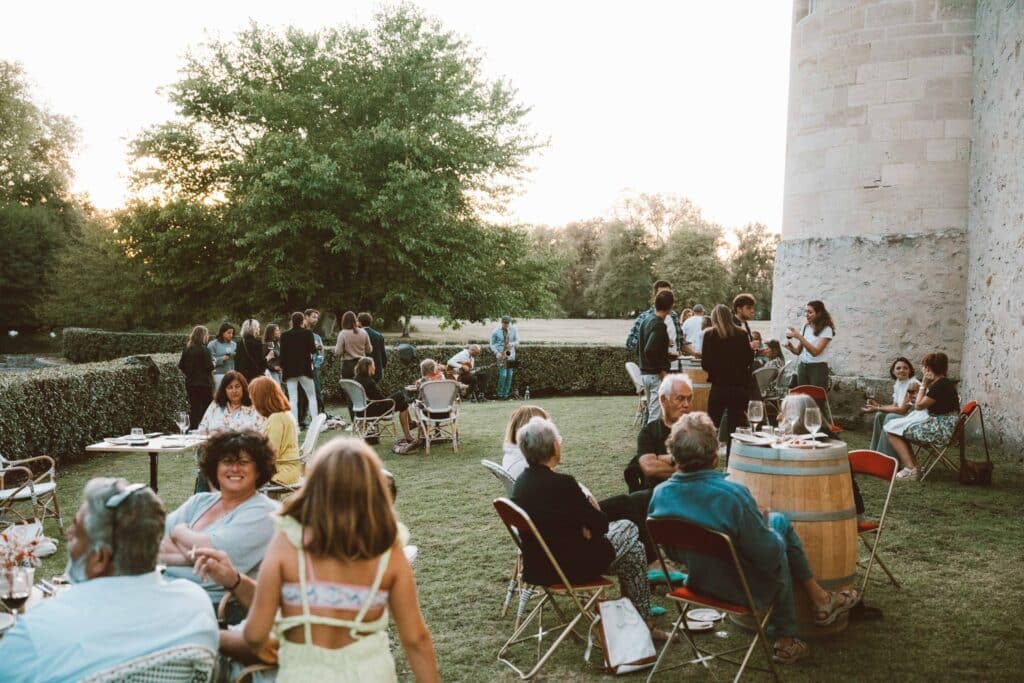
(755, 468)
(830, 516)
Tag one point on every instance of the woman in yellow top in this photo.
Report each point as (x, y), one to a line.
(280, 428)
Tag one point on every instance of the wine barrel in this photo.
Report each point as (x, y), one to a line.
(813, 488)
(701, 388)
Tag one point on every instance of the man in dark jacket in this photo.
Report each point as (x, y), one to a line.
(297, 350)
(653, 346)
(379, 355)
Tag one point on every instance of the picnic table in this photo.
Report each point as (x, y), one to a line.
(154, 447)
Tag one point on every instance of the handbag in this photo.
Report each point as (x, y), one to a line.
(974, 472)
(625, 638)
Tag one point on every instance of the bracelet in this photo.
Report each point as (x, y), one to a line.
(237, 581)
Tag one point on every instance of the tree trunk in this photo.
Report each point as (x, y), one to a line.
(406, 325)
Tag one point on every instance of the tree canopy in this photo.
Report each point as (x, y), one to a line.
(347, 167)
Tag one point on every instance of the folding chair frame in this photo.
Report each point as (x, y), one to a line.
(884, 467)
(515, 582)
(44, 504)
(641, 401)
(933, 454)
(687, 536)
(585, 596)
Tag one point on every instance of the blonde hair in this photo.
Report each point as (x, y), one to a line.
(345, 504)
(520, 416)
(723, 322)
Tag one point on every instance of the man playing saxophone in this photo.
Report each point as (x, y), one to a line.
(504, 340)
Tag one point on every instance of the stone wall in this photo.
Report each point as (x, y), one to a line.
(993, 368)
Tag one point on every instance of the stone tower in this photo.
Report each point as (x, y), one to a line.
(893, 216)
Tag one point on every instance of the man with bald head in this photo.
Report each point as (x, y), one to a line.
(652, 463)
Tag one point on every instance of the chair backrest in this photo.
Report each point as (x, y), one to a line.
(355, 393)
(186, 664)
(765, 379)
(873, 464)
(439, 396)
(520, 526)
(506, 479)
(633, 370)
(817, 393)
(312, 434)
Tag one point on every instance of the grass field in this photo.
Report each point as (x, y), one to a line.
(957, 550)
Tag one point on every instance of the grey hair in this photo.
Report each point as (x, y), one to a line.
(474, 347)
(670, 381)
(693, 442)
(792, 411)
(537, 440)
(251, 326)
(140, 525)
(427, 366)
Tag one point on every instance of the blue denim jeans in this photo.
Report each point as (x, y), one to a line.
(652, 383)
(505, 382)
(879, 441)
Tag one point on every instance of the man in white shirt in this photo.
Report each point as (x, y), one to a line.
(463, 366)
(119, 607)
(692, 327)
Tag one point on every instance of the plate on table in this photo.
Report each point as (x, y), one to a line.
(704, 614)
(753, 439)
(800, 443)
(116, 441)
(6, 621)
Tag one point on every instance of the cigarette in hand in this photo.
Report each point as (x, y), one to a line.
(192, 553)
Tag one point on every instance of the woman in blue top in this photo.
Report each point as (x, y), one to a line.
(769, 549)
(223, 349)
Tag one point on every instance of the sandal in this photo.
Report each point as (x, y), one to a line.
(839, 603)
(791, 653)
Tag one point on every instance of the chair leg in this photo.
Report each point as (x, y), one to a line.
(664, 648)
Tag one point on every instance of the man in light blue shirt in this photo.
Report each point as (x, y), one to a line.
(119, 607)
(504, 342)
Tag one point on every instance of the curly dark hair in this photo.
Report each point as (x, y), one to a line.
(228, 444)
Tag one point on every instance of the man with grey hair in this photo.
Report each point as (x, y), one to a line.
(769, 548)
(652, 465)
(120, 607)
(463, 366)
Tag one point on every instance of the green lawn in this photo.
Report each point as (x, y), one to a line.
(939, 626)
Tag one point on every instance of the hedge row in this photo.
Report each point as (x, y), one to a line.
(59, 411)
(82, 345)
(548, 370)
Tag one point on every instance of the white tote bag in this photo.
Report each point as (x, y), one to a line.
(624, 636)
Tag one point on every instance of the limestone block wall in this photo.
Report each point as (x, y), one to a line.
(993, 366)
(877, 161)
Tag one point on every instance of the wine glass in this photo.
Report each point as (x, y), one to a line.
(755, 413)
(182, 422)
(812, 420)
(137, 434)
(16, 586)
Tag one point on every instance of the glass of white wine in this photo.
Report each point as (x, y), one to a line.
(755, 414)
(812, 420)
(182, 422)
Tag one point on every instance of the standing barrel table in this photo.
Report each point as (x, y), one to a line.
(813, 488)
(701, 388)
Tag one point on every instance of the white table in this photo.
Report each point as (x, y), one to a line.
(154, 447)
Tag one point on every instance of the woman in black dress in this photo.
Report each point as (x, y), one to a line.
(726, 357)
(251, 359)
(197, 365)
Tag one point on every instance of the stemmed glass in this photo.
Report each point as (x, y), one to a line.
(812, 420)
(755, 413)
(16, 586)
(182, 422)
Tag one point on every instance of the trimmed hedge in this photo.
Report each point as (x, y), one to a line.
(59, 411)
(548, 369)
(83, 345)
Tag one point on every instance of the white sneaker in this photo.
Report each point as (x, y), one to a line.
(908, 474)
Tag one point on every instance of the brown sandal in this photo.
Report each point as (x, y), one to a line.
(791, 653)
(839, 603)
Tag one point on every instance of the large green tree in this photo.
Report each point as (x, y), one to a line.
(691, 262)
(621, 282)
(348, 167)
(753, 265)
(37, 212)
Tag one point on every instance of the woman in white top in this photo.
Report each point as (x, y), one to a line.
(904, 392)
(513, 460)
(811, 344)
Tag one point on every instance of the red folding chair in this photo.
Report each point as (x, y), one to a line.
(821, 396)
(694, 538)
(583, 597)
(884, 467)
(929, 455)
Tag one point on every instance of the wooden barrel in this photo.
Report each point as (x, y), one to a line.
(813, 488)
(701, 388)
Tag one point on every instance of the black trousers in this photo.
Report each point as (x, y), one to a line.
(732, 403)
(199, 399)
(632, 506)
(474, 379)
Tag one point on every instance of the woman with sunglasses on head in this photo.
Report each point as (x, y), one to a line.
(234, 518)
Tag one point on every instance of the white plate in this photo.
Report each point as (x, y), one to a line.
(754, 440)
(700, 625)
(704, 614)
(116, 441)
(800, 443)
(6, 621)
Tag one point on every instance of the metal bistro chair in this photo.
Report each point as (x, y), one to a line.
(633, 370)
(274, 489)
(884, 467)
(187, 664)
(515, 582)
(37, 491)
(363, 424)
(584, 597)
(437, 411)
(766, 378)
(694, 538)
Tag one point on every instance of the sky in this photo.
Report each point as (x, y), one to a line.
(684, 97)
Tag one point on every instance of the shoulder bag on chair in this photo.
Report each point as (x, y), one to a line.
(625, 638)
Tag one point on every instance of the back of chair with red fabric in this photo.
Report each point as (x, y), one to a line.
(872, 463)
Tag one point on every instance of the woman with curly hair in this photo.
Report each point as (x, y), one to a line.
(811, 344)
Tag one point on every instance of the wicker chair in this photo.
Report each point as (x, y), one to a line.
(19, 486)
(186, 664)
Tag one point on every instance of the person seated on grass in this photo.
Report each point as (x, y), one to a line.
(572, 524)
(904, 394)
(770, 550)
(119, 608)
(935, 414)
(364, 375)
(280, 428)
(235, 518)
(513, 459)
